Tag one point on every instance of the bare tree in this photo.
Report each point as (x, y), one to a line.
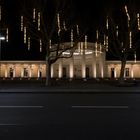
(122, 33)
(51, 23)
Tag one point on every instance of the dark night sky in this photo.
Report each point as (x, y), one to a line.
(89, 14)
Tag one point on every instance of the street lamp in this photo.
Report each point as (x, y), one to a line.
(1, 38)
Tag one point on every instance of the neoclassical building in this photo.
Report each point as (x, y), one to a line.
(88, 61)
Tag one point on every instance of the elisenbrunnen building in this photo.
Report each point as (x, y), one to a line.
(86, 63)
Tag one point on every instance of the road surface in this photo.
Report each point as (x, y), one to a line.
(69, 116)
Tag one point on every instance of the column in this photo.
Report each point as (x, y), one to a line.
(30, 71)
(101, 66)
(52, 71)
(22, 70)
(71, 68)
(132, 71)
(60, 69)
(94, 65)
(115, 72)
(14, 71)
(83, 63)
(6, 71)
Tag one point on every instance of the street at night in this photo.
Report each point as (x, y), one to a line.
(69, 116)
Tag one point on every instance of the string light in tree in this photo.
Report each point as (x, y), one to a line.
(107, 23)
(7, 34)
(128, 17)
(22, 23)
(64, 25)
(40, 42)
(34, 14)
(58, 24)
(50, 44)
(117, 31)
(85, 41)
(106, 42)
(138, 20)
(71, 37)
(77, 29)
(29, 43)
(96, 47)
(24, 34)
(38, 21)
(130, 39)
(135, 57)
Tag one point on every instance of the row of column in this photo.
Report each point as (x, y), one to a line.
(12, 70)
(83, 67)
(131, 72)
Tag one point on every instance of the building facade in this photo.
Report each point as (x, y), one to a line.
(87, 62)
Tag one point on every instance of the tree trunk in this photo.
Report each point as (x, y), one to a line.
(48, 73)
(121, 78)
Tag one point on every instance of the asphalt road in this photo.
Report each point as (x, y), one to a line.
(69, 116)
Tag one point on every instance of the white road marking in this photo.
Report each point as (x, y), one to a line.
(21, 106)
(102, 107)
(6, 124)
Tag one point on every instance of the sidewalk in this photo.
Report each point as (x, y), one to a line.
(65, 87)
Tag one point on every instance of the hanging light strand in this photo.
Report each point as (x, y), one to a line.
(85, 41)
(130, 39)
(25, 35)
(58, 24)
(22, 20)
(107, 23)
(128, 17)
(138, 20)
(71, 37)
(135, 57)
(39, 21)
(7, 34)
(34, 14)
(29, 43)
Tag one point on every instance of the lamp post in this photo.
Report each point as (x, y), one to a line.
(1, 38)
